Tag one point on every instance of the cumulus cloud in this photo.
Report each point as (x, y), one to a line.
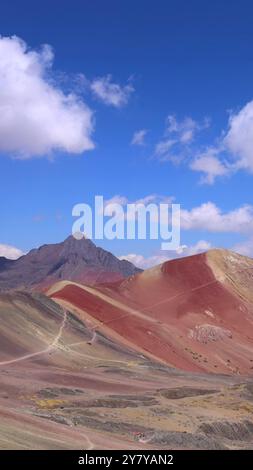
(205, 217)
(235, 143)
(37, 118)
(139, 137)
(111, 93)
(233, 152)
(209, 217)
(210, 165)
(239, 138)
(10, 252)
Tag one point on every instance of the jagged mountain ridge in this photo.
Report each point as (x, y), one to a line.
(77, 260)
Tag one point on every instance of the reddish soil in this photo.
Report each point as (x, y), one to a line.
(182, 312)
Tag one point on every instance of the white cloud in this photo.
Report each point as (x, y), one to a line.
(210, 165)
(178, 137)
(233, 152)
(199, 247)
(139, 137)
(10, 252)
(187, 136)
(117, 199)
(36, 116)
(111, 93)
(112, 205)
(239, 138)
(185, 129)
(155, 198)
(163, 147)
(206, 217)
(144, 263)
(236, 143)
(209, 217)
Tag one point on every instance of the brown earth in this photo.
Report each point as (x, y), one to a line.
(194, 313)
(161, 360)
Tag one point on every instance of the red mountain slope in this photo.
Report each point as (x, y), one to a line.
(194, 313)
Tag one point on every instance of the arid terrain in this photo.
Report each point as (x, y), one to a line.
(193, 313)
(162, 359)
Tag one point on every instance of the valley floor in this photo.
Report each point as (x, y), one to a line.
(63, 387)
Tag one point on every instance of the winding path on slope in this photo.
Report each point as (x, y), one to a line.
(142, 313)
(48, 349)
(51, 347)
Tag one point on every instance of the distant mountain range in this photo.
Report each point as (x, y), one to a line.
(74, 260)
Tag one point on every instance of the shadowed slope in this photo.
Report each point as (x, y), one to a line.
(78, 260)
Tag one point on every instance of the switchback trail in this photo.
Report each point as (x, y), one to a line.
(49, 348)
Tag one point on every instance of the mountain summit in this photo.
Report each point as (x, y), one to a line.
(73, 260)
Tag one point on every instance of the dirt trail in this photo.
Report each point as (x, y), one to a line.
(91, 444)
(49, 348)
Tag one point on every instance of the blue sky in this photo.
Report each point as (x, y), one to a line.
(180, 71)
